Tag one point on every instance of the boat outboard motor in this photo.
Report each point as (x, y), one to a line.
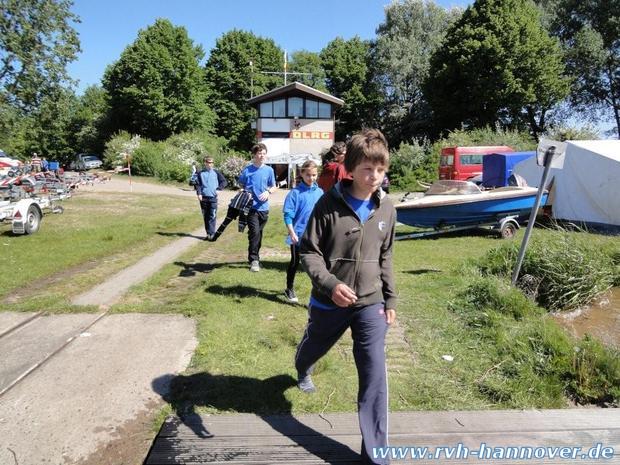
(517, 180)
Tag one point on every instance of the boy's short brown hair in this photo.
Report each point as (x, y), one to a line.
(368, 145)
(258, 147)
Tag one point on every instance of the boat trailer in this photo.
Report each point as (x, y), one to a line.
(506, 227)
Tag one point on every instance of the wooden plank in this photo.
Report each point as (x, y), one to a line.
(404, 422)
(309, 439)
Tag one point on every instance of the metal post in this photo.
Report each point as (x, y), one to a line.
(530, 224)
(129, 171)
(251, 79)
(285, 67)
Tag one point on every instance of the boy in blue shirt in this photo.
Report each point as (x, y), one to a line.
(297, 208)
(208, 182)
(260, 180)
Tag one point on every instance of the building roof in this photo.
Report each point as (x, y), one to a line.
(295, 89)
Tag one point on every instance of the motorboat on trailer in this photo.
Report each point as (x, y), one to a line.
(450, 205)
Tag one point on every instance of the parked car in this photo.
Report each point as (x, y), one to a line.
(85, 161)
(462, 163)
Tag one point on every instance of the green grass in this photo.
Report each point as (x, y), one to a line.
(97, 235)
(506, 352)
(248, 334)
(562, 270)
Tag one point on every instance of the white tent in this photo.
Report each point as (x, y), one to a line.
(587, 188)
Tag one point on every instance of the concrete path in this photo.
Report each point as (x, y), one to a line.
(110, 291)
(78, 400)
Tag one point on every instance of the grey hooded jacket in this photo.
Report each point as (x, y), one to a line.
(337, 248)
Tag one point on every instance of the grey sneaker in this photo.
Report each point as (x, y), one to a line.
(291, 296)
(306, 385)
(254, 266)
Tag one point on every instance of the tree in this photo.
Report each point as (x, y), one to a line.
(496, 66)
(411, 32)
(590, 33)
(157, 86)
(90, 125)
(37, 41)
(303, 61)
(234, 72)
(349, 78)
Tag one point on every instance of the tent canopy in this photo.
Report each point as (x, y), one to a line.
(587, 188)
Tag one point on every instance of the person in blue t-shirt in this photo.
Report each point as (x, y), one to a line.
(208, 182)
(260, 180)
(297, 208)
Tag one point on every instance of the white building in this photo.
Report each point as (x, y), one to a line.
(296, 123)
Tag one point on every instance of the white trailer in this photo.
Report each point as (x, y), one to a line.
(25, 215)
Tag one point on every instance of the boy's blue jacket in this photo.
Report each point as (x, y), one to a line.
(208, 182)
(298, 206)
(338, 248)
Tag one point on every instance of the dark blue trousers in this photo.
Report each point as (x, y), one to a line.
(256, 223)
(368, 329)
(208, 205)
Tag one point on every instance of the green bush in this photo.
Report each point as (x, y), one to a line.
(563, 133)
(168, 160)
(562, 272)
(148, 158)
(419, 160)
(231, 168)
(534, 358)
(410, 163)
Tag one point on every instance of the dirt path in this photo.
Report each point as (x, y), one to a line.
(111, 291)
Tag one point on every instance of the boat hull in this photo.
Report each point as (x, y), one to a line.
(443, 211)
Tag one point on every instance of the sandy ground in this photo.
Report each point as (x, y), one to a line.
(121, 184)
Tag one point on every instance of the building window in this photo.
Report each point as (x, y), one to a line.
(266, 110)
(279, 108)
(325, 110)
(296, 107)
(312, 109)
(275, 135)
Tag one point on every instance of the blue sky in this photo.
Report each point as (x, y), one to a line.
(108, 26)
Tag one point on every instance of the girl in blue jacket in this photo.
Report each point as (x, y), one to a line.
(297, 208)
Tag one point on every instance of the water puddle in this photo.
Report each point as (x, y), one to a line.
(601, 320)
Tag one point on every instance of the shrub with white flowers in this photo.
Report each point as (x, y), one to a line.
(231, 168)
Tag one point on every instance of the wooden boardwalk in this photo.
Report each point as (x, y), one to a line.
(334, 438)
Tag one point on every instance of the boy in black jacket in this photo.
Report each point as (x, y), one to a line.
(347, 252)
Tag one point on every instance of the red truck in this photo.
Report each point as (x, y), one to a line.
(463, 163)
